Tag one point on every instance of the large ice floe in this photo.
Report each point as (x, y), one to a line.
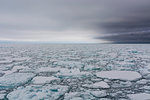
(74, 72)
(47, 92)
(122, 75)
(140, 96)
(15, 79)
(43, 79)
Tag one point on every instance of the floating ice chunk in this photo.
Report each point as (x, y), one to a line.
(42, 79)
(14, 69)
(6, 61)
(71, 95)
(14, 79)
(76, 98)
(122, 84)
(72, 73)
(141, 96)
(86, 95)
(2, 96)
(147, 76)
(122, 75)
(47, 69)
(146, 87)
(106, 99)
(70, 64)
(27, 70)
(96, 79)
(143, 81)
(48, 92)
(8, 72)
(101, 84)
(99, 93)
(21, 59)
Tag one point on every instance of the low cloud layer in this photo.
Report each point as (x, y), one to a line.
(75, 20)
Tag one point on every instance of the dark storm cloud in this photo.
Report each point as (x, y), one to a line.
(131, 26)
(91, 20)
(143, 37)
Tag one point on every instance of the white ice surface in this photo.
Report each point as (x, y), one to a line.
(14, 69)
(64, 72)
(48, 92)
(101, 84)
(43, 79)
(47, 69)
(141, 96)
(101, 93)
(2, 96)
(122, 75)
(14, 79)
(76, 98)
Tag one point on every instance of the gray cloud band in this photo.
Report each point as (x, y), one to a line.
(115, 20)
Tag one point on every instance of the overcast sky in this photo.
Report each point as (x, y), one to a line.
(77, 21)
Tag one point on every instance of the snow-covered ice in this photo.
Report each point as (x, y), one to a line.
(122, 75)
(2, 96)
(15, 79)
(101, 84)
(141, 96)
(43, 79)
(74, 72)
(47, 69)
(99, 94)
(49, 92)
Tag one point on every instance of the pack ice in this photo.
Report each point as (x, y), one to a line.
(74, 72)
(122, 75)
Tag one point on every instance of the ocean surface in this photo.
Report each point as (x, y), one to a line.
(74, 71)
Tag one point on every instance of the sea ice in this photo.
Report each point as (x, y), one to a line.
(140, 96)
(48, 92)
(14, 79)
(14, 69)
(121, 75)
(143, 81)
(72, 73)
(6, 61)
(2, 96)
(86, 95)
(101, 84)
(43, 79)
(76, 98)
(99, 94)
(47, 69)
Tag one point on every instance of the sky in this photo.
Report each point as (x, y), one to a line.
(75, 21)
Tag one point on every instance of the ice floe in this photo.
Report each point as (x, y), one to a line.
(122, 75)
(43, 79)
(48, 92)
(72, 73)
(2, 96)
(99, 94)
(140, 96)
(14, 69)
(101, 84)
(14, 79)
(47, 69)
